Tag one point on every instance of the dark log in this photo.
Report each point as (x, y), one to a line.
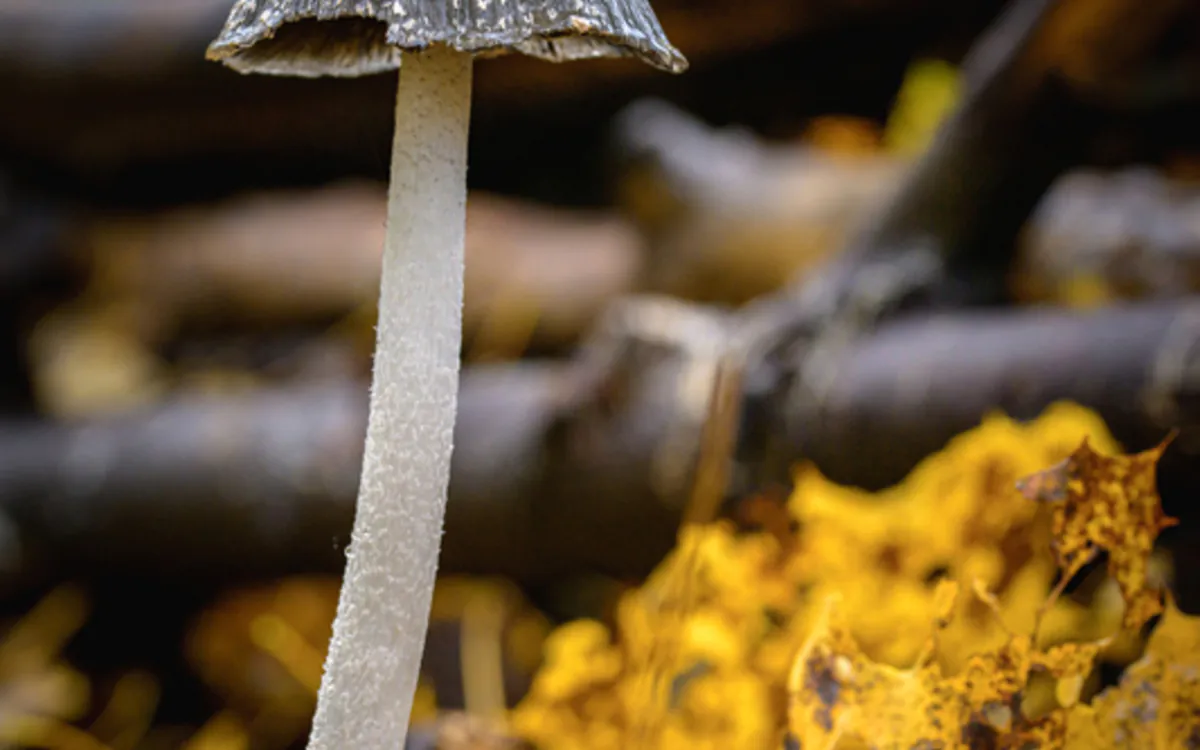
(561, 468)
(259, 484)
(144, 487)
(557, 467)
(905, 391)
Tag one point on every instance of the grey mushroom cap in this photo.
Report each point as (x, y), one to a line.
(311, 38)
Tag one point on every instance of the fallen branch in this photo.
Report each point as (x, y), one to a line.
(902, 393)
(560, 468)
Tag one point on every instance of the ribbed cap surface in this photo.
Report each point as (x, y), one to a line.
(358, 37)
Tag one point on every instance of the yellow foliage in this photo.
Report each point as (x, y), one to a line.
(841, 621)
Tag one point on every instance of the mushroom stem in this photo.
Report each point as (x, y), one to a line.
(378, 636)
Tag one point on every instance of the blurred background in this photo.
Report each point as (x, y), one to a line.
(904, 213)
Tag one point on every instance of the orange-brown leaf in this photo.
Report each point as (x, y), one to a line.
(1109, 503)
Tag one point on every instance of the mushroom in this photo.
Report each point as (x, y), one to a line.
(382, 617)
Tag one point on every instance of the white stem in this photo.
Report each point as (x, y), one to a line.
(378, 637)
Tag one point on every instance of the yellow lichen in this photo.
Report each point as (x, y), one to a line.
(734, 634)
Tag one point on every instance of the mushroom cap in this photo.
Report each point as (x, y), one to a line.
(311, 38)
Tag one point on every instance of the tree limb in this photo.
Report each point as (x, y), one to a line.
(561, 468)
